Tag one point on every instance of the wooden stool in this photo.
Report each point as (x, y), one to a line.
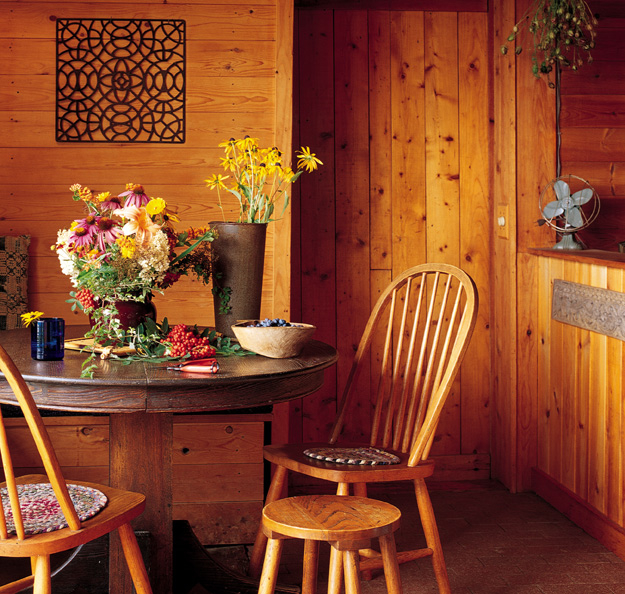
(347, 523)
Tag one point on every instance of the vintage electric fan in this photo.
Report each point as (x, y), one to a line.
(568, 204)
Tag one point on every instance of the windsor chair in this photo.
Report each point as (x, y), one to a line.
(425, 318)
(43, 514)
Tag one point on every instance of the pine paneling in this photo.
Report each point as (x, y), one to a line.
(581, 443)
(408, 138)
(238, 81)
(217, 466)
(592, 123)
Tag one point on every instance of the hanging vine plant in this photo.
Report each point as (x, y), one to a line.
(562, 35)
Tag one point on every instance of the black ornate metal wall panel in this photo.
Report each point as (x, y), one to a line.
(120, 80)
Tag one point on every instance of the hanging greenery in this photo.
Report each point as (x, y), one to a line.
(562, 35)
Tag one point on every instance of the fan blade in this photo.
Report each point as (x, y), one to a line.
(561, 189)
(573, 217)
(582, 196)
(553, 209)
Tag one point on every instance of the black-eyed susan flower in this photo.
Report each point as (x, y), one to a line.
(29, 317)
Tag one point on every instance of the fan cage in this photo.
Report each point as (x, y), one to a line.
(575, 184)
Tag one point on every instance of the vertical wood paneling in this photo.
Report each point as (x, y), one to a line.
(504, 171)
(582, 400)
(581, 437)
(597, 410)
(555, 396)
(614, 414)
(442, 200)
(543, 313)
(408, 126)
(528, 355)
(567, 392)
(396, 205)
(352, 194)
(474, 205)
(380, 160)
(317, 205)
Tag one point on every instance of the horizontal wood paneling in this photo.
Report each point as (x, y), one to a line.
(217, 466)
(593, 125)
(402, 5)
(231, 90)
(206, 21)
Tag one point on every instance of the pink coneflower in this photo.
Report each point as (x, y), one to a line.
(135, 196)
(81, 236)
(112, 203)
(83, 231)
(108, 232)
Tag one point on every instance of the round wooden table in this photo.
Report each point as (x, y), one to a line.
(141, 399)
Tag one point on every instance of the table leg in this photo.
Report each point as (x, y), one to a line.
(140, 460)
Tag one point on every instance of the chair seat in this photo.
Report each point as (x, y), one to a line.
(330, 518)
(292, 457)
(121, 507)
(40, 508)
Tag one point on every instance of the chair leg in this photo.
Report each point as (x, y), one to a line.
(269, 575)
(258, 552)
(352, 572)
(43, 577)
(391, 566)
(335, 573)
(134, 559)
(431, 535)
(311, 567)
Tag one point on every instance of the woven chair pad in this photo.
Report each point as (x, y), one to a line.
(362, 456)
(41, 511)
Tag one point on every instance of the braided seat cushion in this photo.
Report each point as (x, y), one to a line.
(361, 455)
(41, 511)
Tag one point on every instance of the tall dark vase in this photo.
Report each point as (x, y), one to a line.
(239, 251)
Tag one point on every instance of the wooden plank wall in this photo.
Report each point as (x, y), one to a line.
(593, 125)
(238, 82)
(394, 102)
(217, 466)
(581, 443)
(527, 122)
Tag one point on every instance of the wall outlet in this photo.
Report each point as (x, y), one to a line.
(502, 223)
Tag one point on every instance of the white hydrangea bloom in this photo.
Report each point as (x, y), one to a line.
(68, 266)
(154, 259)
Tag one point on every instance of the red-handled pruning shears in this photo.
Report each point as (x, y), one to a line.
(197, 366)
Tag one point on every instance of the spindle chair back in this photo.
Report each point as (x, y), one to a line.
(43, 514)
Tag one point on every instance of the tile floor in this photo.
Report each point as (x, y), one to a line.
(495, 542)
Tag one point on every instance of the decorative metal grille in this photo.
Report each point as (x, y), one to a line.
(120, 80)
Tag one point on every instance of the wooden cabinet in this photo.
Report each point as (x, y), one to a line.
(217, 464)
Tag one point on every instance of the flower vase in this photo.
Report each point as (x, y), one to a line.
(239, 251)
(132, 313)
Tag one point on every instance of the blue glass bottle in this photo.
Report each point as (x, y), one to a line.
(47, 339)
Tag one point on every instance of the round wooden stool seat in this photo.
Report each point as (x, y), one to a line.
(347, 523)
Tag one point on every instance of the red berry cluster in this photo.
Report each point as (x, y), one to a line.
(185, 341)
(86, 299)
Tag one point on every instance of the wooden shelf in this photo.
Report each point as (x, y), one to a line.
(601, 257)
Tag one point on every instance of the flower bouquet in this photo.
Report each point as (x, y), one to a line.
(258, 177)
(124, 249)
(259, 180)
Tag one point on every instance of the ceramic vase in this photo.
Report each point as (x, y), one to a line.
(239, 251)
(133, 313)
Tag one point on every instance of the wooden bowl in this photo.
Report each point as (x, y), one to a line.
(277, 342)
